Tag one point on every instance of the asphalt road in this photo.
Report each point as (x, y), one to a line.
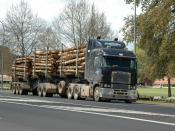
(32, 113)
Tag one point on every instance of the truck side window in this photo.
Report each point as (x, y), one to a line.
(96, 44)
(133, 64)
(97, 62)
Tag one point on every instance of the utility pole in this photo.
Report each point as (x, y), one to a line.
(2, 68)
(135, 6)
(2, 57)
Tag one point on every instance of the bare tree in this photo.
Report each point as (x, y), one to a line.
(22, 28)
(72, 22)
(79, 21)
(97, 25)
(47, 37)
(3, 33)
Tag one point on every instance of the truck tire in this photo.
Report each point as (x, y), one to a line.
(20, 91)
(44, 93)
(61, 88)
(69, 92)
(14, 90)
(76, 93)
(40, 92)
(17, 91)
(97, 94)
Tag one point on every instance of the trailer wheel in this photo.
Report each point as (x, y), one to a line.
(44, 93)
(20, 92)
(97, 94)
(69, 92)
(76, 93)
(61, 88)
(40, 92)
(14, 91)
(17, 91)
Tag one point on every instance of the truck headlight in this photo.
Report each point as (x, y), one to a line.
(133, 87)
(105, 85)
(132, 92)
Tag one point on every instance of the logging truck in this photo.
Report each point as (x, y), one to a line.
(102, 70)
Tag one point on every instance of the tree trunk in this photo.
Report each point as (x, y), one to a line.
(169, 87)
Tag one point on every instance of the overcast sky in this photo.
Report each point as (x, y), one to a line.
(115, 10)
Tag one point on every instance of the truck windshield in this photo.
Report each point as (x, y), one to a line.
(109, 44)
(119, 62)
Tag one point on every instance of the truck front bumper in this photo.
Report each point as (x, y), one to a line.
(118, 94)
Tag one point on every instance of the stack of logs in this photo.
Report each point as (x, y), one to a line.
(67, 61)
(52, 62)
(44, 61)
(22, 67)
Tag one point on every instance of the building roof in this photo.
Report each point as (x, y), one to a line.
(163, 81)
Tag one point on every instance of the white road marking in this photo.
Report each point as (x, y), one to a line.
(111, 110)
(68, 103)
(118, 104)
(94, 113)
(89, 108)
(25, 100)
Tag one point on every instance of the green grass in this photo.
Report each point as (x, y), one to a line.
(151, 92)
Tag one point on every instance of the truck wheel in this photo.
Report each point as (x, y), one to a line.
(76, 93)
(69, 92)
(45, 94)
(20, 92)
(17, 91)
(97, 94)
(61, 88)
(40, 92)
(14, 91)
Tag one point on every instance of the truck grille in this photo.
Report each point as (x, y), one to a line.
(120, 80)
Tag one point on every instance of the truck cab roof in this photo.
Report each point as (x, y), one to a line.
(99, 43)
(110, 48)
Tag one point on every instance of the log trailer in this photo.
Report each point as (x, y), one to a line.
(103, 70)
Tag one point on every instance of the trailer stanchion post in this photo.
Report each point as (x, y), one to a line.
(15, 69)
(34, 68)
(25, 67)
(46, 73)
(76, 73)
(61, 60)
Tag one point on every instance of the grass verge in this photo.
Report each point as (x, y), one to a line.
(156, 94)
(152, 92)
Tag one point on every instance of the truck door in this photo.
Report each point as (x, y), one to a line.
(97, 76)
